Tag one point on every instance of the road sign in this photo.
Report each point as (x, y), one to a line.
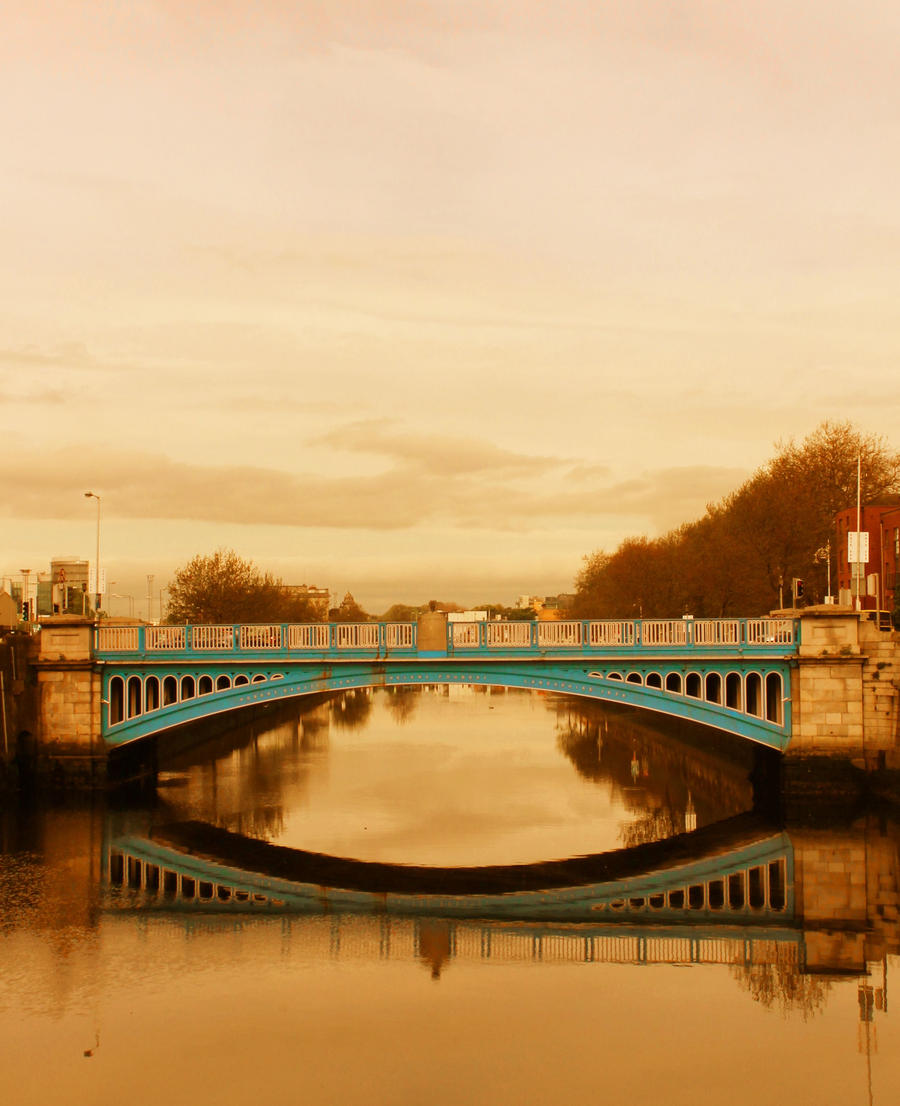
(92, 581)
(863, 557)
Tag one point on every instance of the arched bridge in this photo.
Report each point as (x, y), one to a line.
(733, 674)
(734, 873)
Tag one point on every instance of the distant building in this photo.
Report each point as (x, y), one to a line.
(9, 611)
(62, 590)
(876, 580)
(68, 586)
(320, 598)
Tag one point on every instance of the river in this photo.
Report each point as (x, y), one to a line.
(447, 895)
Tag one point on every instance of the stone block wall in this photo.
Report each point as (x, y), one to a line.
(845, 691)
(69, 744)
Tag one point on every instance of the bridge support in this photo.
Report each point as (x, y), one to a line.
(845, 691)
(68, 747)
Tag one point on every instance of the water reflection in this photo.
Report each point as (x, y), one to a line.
(191, 940)
(454, 776)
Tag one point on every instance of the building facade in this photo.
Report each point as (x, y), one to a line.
(873, 579)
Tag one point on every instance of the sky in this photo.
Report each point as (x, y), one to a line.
(431, 299)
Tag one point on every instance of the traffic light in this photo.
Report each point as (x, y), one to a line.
(797, 589)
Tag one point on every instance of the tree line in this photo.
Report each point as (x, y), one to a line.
(223, 587)
(742, 555)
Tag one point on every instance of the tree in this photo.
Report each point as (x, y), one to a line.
(222, 587)
(400, 612)
(740, 557)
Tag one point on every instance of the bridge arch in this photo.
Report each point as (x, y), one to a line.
(688, 692)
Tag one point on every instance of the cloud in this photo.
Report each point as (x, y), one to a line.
(434, 453)
(432, 484)
(66, 355)
(47, 398)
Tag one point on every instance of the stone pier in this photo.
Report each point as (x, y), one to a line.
(69, 743)
(845, 690)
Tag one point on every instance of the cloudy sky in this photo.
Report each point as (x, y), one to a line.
(429, 298)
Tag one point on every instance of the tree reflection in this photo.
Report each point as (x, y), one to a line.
(579, 740)
(402, 703)
(780, 984)
(653, 825)
(352, 709)
(668, 783)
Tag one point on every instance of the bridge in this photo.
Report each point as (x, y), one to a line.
(737, 909)
(823, 683)
(742, 892)
(732, 873)
(733, 674)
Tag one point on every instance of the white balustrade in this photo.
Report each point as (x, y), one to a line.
(260, 637)
(356, 635)
(308, 637)
(399, 635)
(664, 631)
(465, 635)
(212, 637)
(559, 635)
(603, 634)
(515, 635)
(161, 638)
(717, 631)
(118, 639)
(770, 631)
(572, 634)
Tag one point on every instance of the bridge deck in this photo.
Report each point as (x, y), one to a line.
(732, 674)
(349, 641)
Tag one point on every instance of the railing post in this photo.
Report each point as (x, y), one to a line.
(534, 633)
(188, 639)
(638, 632)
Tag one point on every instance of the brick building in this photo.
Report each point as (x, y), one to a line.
(878, 577)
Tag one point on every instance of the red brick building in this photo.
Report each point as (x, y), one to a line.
(878, 577)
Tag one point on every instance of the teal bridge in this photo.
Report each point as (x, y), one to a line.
(723, 894)
(731, 674)
(733, 873)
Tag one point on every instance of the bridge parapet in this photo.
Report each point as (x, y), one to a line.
(769, 636)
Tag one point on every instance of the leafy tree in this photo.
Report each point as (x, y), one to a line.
(400, 612)
(222, 587)
(740, 557)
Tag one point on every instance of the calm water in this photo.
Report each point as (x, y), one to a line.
(154, 951)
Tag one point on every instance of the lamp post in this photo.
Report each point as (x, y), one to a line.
(130, 599)
(93, 495)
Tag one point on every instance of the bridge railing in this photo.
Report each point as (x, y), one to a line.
(463, 638)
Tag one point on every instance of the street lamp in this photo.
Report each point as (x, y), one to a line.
(130, 599)
(93, 495)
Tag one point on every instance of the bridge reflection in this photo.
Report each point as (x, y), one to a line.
(733, 873)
